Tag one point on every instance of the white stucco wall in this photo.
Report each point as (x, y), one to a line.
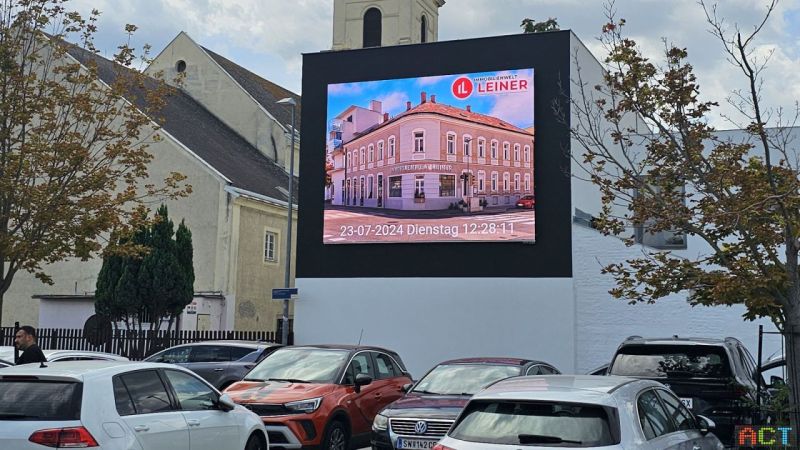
(428, 320)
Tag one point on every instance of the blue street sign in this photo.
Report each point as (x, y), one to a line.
(283, 293)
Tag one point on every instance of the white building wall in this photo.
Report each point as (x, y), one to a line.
(64, 313)
(429, 320)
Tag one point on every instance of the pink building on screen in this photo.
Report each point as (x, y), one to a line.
(429, 157)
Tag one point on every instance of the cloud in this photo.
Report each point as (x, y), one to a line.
(345, 89)
(394, 102)
(428, 81)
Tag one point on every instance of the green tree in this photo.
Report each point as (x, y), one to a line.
(740, 199)
(73, 152)
(154, 283)
(532, 26)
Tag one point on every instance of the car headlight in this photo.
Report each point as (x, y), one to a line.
(380, 423)
(305, 406)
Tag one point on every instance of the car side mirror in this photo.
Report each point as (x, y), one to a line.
(706, 425)
(776, 381)
(407, 387)
(225, 403)
(362, 379)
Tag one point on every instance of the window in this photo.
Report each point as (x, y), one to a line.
(380, 150)
(494, 149)
(361, 363)
(238, 353)
(447, 185)
(680, 415)
(451, 144)
(361, 158)
(269, 246)
(664, 361)
(506, 181)
(652, 417)
(193, 394)
(384, 367)
(395, 186)
(527, 153)
(516, 152)
(175, 355)
(371, 153)
(494, 181)
(419, 141)
(370, 182)
(667, 239)
(147, 392)
(122, 398)
(372, 28)
(423, 29)
(481, 180)
(391, 147)
(209, 353)
(362, 188)
(506, 151)
(516, 182)
(527, 182)
(481, 148)
(467, 146)
(38, 400)
(419, 186)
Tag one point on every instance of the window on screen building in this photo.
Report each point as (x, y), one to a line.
(447, 185)
(395, 186)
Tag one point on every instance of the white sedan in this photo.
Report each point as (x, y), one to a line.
(120, 405)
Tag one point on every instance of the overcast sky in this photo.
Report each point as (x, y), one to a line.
(269, 36)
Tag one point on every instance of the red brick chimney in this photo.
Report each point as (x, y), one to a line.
(433, 98)
(408, 106)
(423, 97)
(385, 117)
(469, 108)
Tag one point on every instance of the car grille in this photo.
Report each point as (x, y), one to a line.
(264, 410)
(408, 427)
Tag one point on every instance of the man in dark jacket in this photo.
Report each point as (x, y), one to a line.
(25, 340)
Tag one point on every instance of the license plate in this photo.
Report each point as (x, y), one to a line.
(687, 402)
(422, 444)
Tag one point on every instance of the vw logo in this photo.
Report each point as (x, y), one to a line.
(421, 427)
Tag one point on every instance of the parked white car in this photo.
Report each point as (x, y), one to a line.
(7, 353)
(120, 406)
(586, 411)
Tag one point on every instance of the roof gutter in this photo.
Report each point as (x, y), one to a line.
(238, 192)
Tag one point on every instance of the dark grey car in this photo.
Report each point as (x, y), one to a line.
(218, 362)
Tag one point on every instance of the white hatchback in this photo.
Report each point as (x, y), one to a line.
(120, 405)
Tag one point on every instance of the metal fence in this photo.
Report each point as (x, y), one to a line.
(135, 345)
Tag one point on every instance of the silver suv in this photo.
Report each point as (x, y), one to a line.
(221, 363)
(578, 411)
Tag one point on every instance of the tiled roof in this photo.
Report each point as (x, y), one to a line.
(205, 135)
(430, 107)
(264, 91)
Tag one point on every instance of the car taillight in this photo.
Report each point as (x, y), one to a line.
(76, 437)
(442, 447)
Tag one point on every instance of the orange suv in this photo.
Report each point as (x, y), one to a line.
(321, 396)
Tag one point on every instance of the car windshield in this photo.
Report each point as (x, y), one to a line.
(553, 424)
(662, 361)
(40, 400)
(527, 197)
(312, 365)
(463, 379)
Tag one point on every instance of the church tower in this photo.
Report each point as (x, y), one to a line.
(374, 23)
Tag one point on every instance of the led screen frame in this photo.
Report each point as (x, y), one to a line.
(547, 55)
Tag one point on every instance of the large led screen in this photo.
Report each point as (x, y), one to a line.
(431, 159)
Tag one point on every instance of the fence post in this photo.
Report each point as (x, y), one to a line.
(16, 350)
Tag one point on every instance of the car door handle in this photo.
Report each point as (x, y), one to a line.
(141, 428)
(193, 422)
(220, 369)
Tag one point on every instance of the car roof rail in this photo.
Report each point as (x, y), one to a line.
(634, 337)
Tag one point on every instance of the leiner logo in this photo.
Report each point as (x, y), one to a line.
(462, 88)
